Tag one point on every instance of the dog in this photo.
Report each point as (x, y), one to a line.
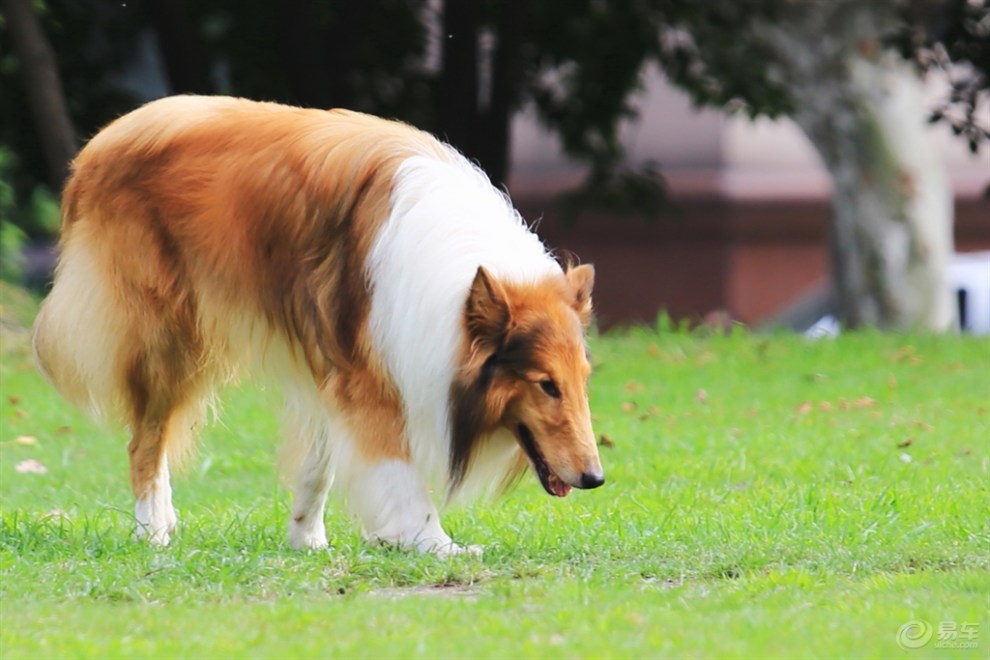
(428, 345)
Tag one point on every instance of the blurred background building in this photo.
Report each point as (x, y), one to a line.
(747, 237)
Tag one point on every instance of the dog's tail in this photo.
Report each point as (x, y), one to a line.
(119, 338)
(79, 335)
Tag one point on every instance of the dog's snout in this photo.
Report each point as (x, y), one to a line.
(592, 479)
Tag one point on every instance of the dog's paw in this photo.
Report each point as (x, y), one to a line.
(156, 522)
(312, 537)
(153, 536)
(452, 549)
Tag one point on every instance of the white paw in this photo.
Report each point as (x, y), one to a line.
(153, 535)
(307, 537)
(451, 549)
(156, 520)
(442, 547)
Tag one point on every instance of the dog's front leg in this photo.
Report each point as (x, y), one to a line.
(394, 507)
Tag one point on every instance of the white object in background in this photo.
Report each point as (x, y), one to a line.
(969, 276)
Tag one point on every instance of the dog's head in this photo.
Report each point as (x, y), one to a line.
(530, 371)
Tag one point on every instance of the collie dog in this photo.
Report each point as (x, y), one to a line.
(427, 344)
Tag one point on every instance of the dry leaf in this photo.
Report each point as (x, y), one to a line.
(30, 466)
(804, 408)
(633, 387)
(26, 440)
(14, 400)
(906, 443)
(628, 406)
(605, 441)
(701, 396)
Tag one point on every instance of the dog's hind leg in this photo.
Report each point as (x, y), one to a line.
(166, 409)
(154, 513)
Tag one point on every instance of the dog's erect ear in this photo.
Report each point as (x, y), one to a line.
(487, 311)
(581, 280)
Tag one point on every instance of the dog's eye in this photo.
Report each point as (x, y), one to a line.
(550, 388)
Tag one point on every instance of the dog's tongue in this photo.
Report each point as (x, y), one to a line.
(557, 486)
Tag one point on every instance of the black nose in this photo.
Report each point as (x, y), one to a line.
(592, 479)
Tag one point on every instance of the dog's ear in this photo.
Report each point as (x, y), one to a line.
(581, 280)
(487, 311)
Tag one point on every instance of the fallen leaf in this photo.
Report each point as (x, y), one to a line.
(865, 402)
(605, 441)
(628, 406)
(633, 387)
(825, 406)
(62, 430)
(804, 408)
(701, 396)
(26, 440)
(906, 443)
(30, 466)
(14, 400)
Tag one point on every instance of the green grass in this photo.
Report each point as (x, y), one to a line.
(767, 496)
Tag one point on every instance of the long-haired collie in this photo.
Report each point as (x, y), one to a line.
(428, 345)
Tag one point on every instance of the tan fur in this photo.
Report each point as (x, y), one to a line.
(538, 330)
(193, 223)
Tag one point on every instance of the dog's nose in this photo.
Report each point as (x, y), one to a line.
(592, 479)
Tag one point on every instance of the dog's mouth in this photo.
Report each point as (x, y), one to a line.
(550, 481)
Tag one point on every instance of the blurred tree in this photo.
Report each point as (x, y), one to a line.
(461, 68)
(45, 94)
(92, 41)
(848, 72)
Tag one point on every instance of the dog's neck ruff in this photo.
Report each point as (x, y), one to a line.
(446, 219)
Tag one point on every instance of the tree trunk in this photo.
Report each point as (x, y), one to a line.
(862, 109)
(184, 54)
(493, 146)
(303, 46)
(457, 106)
(45, 95)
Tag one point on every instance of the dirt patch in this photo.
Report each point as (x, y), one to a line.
(467, 592)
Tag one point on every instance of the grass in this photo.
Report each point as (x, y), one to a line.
(767, 496)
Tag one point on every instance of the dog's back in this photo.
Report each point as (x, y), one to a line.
(195, 207)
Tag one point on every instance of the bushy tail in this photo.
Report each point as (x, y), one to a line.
(80, 335)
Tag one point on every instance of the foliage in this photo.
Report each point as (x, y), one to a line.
(757, 486)
(12, 239)
(958, 44)
(578, 62)
(94, 41)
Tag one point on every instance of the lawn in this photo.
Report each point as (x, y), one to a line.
(767, 496)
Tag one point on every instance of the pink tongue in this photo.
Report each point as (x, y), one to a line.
(559, 488)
